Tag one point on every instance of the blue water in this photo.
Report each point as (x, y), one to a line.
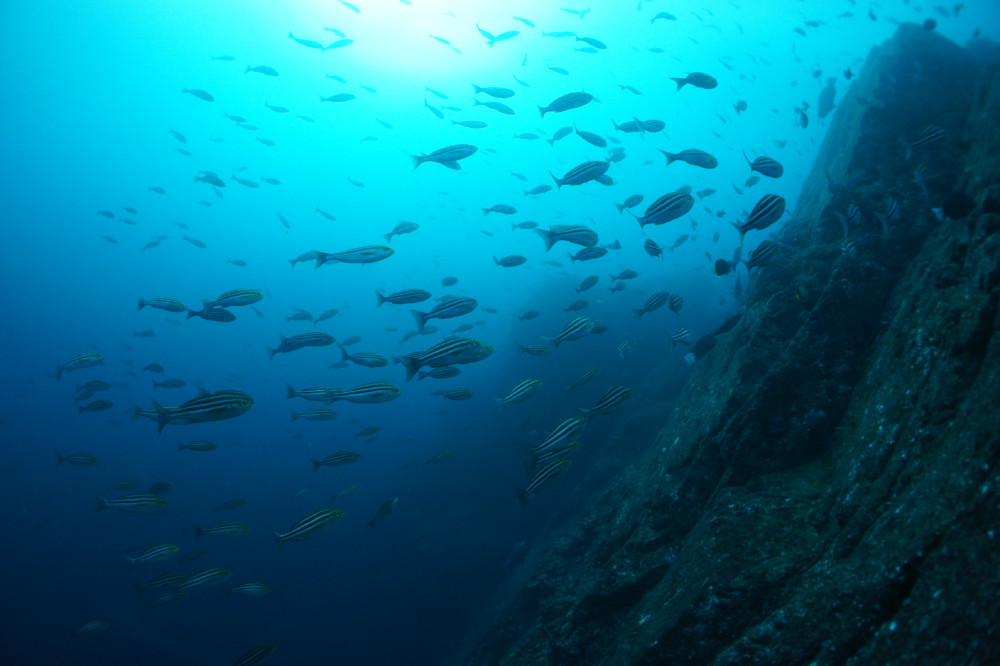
(93, 92)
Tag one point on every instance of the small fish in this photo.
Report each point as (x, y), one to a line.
(261, 69)
(696, 79)
(765, 166)
(540, 477)
(200, 94)
(255, 655)
(510, 261)
(140, 503)
(567, 102)
(383, 511)
(315, 523)
(341, 97)
(519, 393)
(693, 157)
(615, 397)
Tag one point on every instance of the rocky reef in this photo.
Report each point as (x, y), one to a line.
(826, 490)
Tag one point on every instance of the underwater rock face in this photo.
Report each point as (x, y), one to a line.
(826, 489)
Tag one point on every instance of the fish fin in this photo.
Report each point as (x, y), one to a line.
(278, 540)
(161, 417)
(421, 319)
(102, 504)
(546, 237)
(522, 497)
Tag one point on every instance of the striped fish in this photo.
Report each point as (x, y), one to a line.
(197, 446)
(651, 248)
(931, 134)
(519, 393)
(453, 351)
(315, 523)
(79, 362)
(668, 207)
(168, 304)
(589, 254)
(566, 431)
(567, 102)
(365, 360)
(234, 503)
(155, 554)
(574, 330)
(532, 350)
(510, 261)
(676, 303)
(207, 313)
(159, 488)
(250, 589)
(692, 156)
(587, 283)
(575, 233)
(765, 166)
(768, 210)
(446, 309)
(582, 173)
(315, 394)
(696, 79)
(138, 503)
(890, 217)
(448, 156)
(383, 511)
(456, 394)
(206, 407)
(614, 398)
(236, 297)
(82, 459)
(654, 302)
(337, 459)
(584, 377)
(681, 337)
(163, 580)
(222, 529)
(761, 255)
(305, 256)
(367, 254)
(626, 347)
(402, 297)
(540, 477)
(255, 656)
(205, 578)
(535, 457)
(367, 393)
(402, 228)
(318, 414)
(314, 339)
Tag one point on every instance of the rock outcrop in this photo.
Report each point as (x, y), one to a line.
(826, 490)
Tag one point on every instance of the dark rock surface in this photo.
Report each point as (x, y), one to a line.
(826, 491)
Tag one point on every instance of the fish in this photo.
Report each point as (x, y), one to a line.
(587, 283)
(236, 298)
(696, 79)
(197, 446)
(630, 202)
(207, 407)
(138, 503)
(452, 351)
(654, 302)
(825, 103)
(538, 189)
(367, 393)
(315, 523)
(576, 234)
(567, 102)
(532, 350)
(338, 98)
(384, 510)
(766, 212)
(339, 44)
(667, 16)
(582, 173)
(651, 248)
(337, 459)
(540, 477)
(589, 254)
(665, 209)
(761, 255)
(471, 124)
(681, 336)
(456, 394)
(931, 134)
(255, 655)
(584, 378)
(499, 107)
(451, 307)
(499, 93)
(80, 459)
(250, 589)
(407, 296)
(296, 342)
(559, 134)
(614, 398)
(693, 157)
(205, 578)
(402, 228)
(169, 383)
(444, 372)
(261, 69)
(367, 254)
(765, 166)
(676, 303)
(365, 360)
(222, 529)
(502, 209)
(79, 362)
(200, 94)
(574, 330)
(510, 261)
(519, 393)
(319, 414)
(91, 627)
(449, 156)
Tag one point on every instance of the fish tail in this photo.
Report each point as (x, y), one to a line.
(546, 237)
(410, 365)
(387, 237)
(270, 353)
(139, 589)
(499, 403)
(670, 157)
(417, 161)
(290, 392)
(59, 458)
(102, 504)
(542, 110)
(321, 258)
(199, 532)
(161, 417)
(522, 497)
(316, 465)
(59, 371)
(142, 304)
(558, 182)
(620, 208)
(294, 416)
(180, 446)
(421, 319)
(192, 313)
(379, 298)
(680, 82)
(278, 540)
